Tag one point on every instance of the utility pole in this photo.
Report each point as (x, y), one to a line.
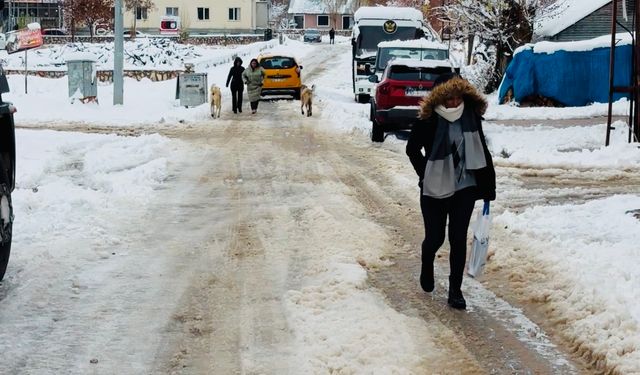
(118, 59)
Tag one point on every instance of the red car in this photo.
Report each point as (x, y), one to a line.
(403, 84)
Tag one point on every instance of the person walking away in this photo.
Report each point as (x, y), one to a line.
(237, 86)
(455, 171)
(332, 36)
(253, 77)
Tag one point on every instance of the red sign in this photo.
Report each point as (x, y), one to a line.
(23, 39)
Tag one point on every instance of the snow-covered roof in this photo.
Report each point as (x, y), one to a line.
(582, 45)
(566, 14)
(415, 63)
(388, 13)
(318, 7)
(414, 43)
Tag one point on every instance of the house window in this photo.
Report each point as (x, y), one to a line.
(171, 11)
(299, 20)
(234, 14)
(203, 13)
(141, 13)
(323, 20)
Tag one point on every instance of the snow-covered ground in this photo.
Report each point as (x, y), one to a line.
(588, 250)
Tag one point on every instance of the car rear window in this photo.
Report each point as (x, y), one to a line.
(408, 73)
(278, 62)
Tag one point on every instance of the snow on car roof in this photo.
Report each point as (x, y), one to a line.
(415, 43)
(566, 14)
(427, 63)
(388, 13)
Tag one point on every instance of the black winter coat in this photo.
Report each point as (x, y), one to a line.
(422, 136)
(235, 76)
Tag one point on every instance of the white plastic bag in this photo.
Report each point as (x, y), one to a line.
(480, 245)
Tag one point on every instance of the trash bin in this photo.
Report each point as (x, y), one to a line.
(7, 173)
(82, 77)
(192, 89)
(268, 35)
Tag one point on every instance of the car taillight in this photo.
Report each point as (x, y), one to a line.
(298, 70)
(397, 91)
(383, 89)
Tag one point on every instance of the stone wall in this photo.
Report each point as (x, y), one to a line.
(106, 75)
(217, 40)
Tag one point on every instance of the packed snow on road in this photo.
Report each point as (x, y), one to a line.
(150, 238)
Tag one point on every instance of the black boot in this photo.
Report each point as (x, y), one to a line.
(456, 300)
(426, 277)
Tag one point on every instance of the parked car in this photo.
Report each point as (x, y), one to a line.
(403, 84)
(139, 34)
(54, 32)
(312, 35)
(7, 173)
(282, 75)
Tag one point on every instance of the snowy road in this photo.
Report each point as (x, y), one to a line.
(271, 246)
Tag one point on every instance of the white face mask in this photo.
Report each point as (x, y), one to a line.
(450, 114)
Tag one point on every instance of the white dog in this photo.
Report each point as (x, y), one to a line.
(306, 98)
(216, 101)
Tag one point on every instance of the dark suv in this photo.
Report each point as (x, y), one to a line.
(403, 84)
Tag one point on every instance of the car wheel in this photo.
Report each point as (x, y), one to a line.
(296, 94)
(377, 131)
(5, 237)
(5, 250)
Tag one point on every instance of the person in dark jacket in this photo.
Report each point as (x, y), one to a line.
(332, 36)
(455, 171)
(237, 85)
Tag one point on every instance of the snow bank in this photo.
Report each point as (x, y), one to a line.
(581, 262)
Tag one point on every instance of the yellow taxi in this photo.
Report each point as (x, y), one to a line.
(282, 75)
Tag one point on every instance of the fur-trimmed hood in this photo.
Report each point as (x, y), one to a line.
(454, 87)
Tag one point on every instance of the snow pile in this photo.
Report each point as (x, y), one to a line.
(581, 261)
(577, 147)
(64, 176)
(141, 54)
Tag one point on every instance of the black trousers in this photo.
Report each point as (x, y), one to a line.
(236, 98)
(254, 105)
(435, 212)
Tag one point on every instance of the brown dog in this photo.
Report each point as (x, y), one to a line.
(306, 98)
(216, 101)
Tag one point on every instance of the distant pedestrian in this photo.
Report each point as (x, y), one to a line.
(455, 170)
(332, 36)
(237, 87)
(253, 77)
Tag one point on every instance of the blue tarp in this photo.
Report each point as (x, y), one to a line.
(573, 78)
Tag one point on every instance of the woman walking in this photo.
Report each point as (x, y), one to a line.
(237, 87)
(253, 77)
(455, 171)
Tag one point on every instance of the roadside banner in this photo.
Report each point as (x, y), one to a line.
(24, 39)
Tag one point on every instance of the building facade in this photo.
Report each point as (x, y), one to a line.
(307, 14)
(203, 16)
(196, 16)
(20, 13)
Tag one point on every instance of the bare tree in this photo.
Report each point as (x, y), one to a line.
(504, 24)
(86, 13)
(133, 6)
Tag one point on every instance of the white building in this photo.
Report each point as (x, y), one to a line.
(204, 16)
